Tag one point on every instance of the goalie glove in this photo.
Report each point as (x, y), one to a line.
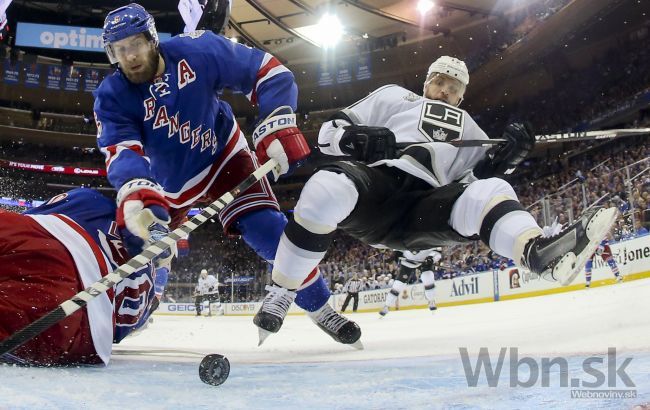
(142, 214)
(368, 144)
(278, 137)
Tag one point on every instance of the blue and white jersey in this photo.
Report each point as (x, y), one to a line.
(175, 130)
(84, 221)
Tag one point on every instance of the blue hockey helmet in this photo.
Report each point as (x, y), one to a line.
(124, 22)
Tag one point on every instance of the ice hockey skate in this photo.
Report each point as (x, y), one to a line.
(274, 308)
(562, 257)
(432, 306)
(384, 311)
(337, 326)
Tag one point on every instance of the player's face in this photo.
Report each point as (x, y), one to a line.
(137, 57)
(441, 87)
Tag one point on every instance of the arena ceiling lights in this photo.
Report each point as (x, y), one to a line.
(326, 33)
(424, 6)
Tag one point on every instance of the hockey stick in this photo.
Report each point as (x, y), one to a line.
(82, 298)
(459, 143)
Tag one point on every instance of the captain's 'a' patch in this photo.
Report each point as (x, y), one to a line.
(441, 122)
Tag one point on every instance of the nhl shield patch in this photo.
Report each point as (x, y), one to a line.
(441, 122)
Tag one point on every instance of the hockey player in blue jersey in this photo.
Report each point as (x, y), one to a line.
(51, 253)
(605, 252)
(171, 143)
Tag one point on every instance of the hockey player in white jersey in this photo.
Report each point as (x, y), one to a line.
(430, 193)
(408, 263)
(206, 289)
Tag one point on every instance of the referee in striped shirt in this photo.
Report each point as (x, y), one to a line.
(352, 288)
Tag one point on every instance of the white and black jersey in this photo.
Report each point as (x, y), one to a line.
(416, 120)
(409, 261)
(208, 286)
(415, 259)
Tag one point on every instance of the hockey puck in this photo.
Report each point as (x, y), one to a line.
(214, 369)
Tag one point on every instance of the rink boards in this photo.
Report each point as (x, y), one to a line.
(632, 257)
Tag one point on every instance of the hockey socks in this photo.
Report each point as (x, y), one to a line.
(393, 294)
(428, 280)
(299, 252)
(613, 266)
(314, 293)
(261, 230)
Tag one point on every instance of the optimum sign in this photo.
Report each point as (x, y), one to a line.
(63, 37)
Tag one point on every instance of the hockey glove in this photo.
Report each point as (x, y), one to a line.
(520, 141)
(142, 212)
(368, 144)
(278, 137)
(503, 159)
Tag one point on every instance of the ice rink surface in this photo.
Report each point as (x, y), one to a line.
(411, 360)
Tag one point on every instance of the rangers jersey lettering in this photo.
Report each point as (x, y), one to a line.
(175, 129)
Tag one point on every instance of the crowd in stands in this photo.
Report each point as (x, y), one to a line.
(19, 150)
(605, 86)
(597, 176)
(512, 28)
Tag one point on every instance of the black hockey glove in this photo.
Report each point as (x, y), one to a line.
(520, 140)
(368, 144)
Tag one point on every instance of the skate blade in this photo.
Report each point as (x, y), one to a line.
(357, 345)
(601, 224)
(263, 334)
(596, 231)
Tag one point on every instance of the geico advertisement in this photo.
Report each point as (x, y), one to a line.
(177, 308)
(632, 256)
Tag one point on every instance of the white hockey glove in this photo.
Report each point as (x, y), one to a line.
(143, 216)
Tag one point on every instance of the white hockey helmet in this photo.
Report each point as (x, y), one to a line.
(450, 66)
(204, 271)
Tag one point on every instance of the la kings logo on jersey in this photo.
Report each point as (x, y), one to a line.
(440, 121)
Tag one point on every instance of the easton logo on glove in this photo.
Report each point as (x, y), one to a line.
(278, 137)
(274, 124)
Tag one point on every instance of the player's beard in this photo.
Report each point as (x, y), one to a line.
(150, 66)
